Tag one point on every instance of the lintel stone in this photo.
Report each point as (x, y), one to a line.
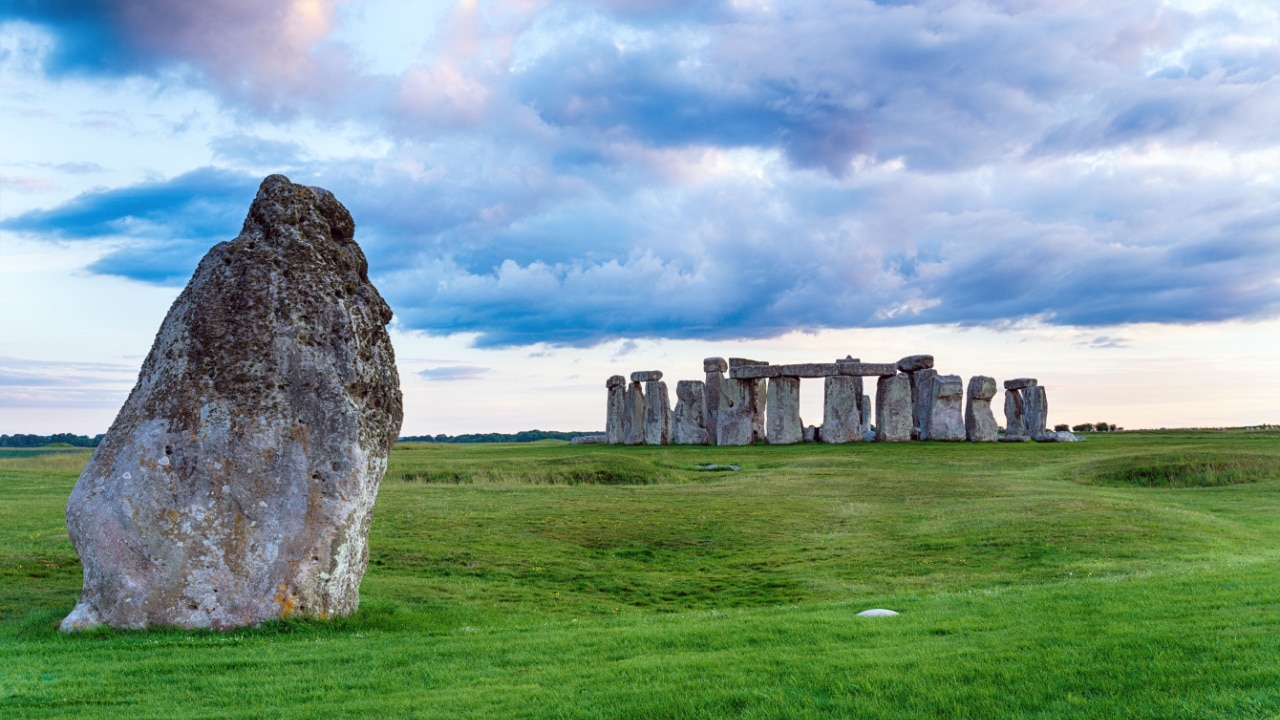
(646, 376)
(1020, 383)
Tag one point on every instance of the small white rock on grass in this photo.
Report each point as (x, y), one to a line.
(877, 612)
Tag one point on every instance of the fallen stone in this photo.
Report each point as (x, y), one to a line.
(737, 412)
(688, 423)
(646, 376)
(841, 420)
(869, 436)
(237, 483)
(979, 420)
(783, 415)
(657, 413)
(1059, 436)
(714, 364)
(713, 467)
(946, 419)
(588, 439)
(615, 410)
(921, 400)
(893, 409)
(1019, 383)
(1014, 438)
(877, 612)
(1014, 423)
(912, 363)
(1035, 409)
(633, 415)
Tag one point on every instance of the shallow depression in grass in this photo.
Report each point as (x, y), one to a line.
(1198, 468)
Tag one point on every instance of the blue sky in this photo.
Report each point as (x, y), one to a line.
(592, 183)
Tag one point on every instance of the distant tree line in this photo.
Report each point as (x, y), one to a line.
(522, 436)
(1096, 427)
(29, 441)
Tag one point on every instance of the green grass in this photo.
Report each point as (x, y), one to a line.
(1133, 575)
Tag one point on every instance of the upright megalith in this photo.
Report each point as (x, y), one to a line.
(1015, 422)
(615, 409)
(919, 371)
(759, 396)
(688, 423)
(657, 413)
(783, 403)
(841, 417)
(893, 408)
(946, 405)
(714, 368)
(865, 412)
(633, 415)
(237, 483)
(1035, 411)
(736, 422)
(979, 421)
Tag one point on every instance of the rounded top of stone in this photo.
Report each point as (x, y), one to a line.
(615, 381)
(714, 364)
(1019, 383)
(646, 375)
(982, 387)
(911, 363)
(280, 202)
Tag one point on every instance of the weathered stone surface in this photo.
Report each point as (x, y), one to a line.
(1014, 438)
(615, 381)
(841, 419)
(633, 415)
(754, 372)
(1035, 410)
(689, 423)
(1019, 383)
(714, 364)
(867, 369)
(615, 412)
(946, 416)
(783, 402)
(921, 400)
(588, 439)
(711, 397)
(743, 362)
(912, 363)
(759, 391)
(979, 421)
(657, 413)
(1059, 436)
(237, 483)
(646, 376)
(893, 409)
(811, 434)
(737, 412)
(1014, 423)
(865, 411)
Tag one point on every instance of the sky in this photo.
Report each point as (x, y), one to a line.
(550, 193)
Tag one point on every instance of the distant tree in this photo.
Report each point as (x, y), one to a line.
(1102, 427)
(1061, 427)
(1082, 427)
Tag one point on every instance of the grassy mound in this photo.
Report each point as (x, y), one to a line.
(1197, 468)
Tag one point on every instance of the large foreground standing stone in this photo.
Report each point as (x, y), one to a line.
(633, 415)
(979, 421)
(736, 422)
(616, 409)
(893, 408)
(237, 483)
(657, 413)
(688, 423)
(946, 418)
(783, 403)
(714, 368)
(1035, 408)
(921, 399)
(841, 419)
(1014, 423)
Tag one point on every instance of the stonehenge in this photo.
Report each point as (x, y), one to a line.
(743, 401)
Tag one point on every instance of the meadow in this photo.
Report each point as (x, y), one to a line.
(1135, 575)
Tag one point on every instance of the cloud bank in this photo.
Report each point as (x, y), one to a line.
(574, 173)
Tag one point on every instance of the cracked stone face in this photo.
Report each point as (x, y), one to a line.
(237, 483)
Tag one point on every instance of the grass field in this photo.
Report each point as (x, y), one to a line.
(1135, 575)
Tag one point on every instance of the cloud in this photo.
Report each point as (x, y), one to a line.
(450, 373)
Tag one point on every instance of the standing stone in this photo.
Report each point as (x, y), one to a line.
(237, 483)
(893, 408)
(657, 413)
(759, 392)
(785, 427)
(979, 421)
(616, 409)
(946, 406)
(737, 412)
(1035, 408)
(633, 415)
(714, 369)
(865, 412)
(921, 400)
(688, 424)
(1015, 429)
(811, 433)
(841, 418)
